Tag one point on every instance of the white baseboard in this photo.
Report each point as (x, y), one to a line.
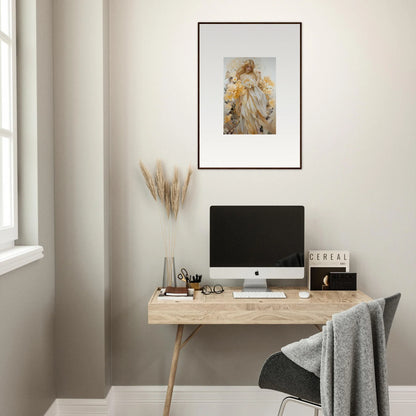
(84, 407)
(196, 401)
(203, 401)
(402, 400)
(53, 410)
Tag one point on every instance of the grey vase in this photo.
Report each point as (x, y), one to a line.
(169, 275)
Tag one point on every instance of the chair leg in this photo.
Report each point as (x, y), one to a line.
(315, 406)
(283, 405)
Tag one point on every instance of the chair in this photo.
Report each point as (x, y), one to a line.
(282, 374)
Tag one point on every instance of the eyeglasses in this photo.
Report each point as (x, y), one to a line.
(207, 290)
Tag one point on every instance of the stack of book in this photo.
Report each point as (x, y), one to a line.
(176, 293)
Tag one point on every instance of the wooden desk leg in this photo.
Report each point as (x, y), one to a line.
(173, 368)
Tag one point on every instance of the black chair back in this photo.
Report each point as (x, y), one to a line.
(389, 311)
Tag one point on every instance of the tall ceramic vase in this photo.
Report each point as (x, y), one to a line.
(169, 275)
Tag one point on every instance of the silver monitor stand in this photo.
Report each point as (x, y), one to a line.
(255, 285)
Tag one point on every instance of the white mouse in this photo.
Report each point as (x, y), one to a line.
(304, 295)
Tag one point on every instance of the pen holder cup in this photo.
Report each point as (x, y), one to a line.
(194, 286)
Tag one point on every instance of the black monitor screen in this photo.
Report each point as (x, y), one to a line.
(257, 236)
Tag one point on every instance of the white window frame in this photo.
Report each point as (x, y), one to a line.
(11, 256)
(9, 234)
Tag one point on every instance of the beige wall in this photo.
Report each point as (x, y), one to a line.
(82, 330)
(27, 294)
(357, 181)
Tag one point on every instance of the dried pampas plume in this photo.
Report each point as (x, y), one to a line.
(149, 180)
(160, 181)
(166, 199)
(171, 194)
(186, 184)
(175, 193)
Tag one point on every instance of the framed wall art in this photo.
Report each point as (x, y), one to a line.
(249, 95)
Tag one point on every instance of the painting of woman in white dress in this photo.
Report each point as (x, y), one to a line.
(249, 96)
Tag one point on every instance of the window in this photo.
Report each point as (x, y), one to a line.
(8, 145)
(11, 256)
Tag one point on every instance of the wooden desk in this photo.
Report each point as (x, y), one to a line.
(223, 309)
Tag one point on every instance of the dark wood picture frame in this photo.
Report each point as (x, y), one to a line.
(300, 91)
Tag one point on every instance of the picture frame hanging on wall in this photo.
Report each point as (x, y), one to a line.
(249, 95)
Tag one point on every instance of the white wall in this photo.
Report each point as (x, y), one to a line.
(357, 181)
(82, 325)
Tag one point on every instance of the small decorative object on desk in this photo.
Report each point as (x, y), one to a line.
(190, 281)
(342, 281)
(172, 195)
(176, 291)
(195, 281)
(184, 276)
(323, 262)
(176, 294)
(169, 271)
(217, 289)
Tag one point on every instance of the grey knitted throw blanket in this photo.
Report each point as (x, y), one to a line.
(349, 357)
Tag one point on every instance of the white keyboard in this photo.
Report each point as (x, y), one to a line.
(259, 295)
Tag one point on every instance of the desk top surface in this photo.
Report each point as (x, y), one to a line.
(217, 309)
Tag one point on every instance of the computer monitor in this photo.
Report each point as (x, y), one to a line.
(256, 243)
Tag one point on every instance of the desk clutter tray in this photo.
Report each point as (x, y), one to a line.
(182, 298)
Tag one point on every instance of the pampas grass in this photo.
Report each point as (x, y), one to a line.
(166, 199)
(160, 180)
(175, 193)
(171, 196)
(186, 184)
(149, 180)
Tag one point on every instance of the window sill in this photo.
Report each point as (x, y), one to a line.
(19, 256)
